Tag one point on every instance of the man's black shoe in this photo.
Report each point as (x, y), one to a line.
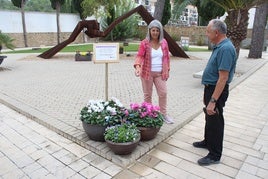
(201, 144)
(207, 161)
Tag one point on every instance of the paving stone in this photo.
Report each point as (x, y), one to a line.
(126, 174)
(242, 175)
(147, 172)
(90, 172)
(113, 169)
(166, 157)
(248, 168)
(34, 151)
(173, 171)
(149, 160)
(202, 172)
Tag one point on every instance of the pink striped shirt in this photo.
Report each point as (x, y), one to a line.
(143, 59)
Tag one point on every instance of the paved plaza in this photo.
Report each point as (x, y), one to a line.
(42, 137)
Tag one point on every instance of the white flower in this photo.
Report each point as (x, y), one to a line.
(100, 105)
(106, 103)
(117, 101)
(95, 106)
(111, 110)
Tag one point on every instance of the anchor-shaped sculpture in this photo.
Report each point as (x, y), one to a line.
(93, 31)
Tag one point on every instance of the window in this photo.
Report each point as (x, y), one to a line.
(146, 2)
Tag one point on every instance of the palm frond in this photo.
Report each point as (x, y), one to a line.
(6, 41)
(236, 4)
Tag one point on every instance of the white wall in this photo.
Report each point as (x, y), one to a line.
(11, 22)
(251, 18)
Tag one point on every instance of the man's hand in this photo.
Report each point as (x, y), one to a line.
(211, 108)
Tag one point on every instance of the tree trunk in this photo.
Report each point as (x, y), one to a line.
(84, 34)
(258, 32)
(58, 21)
(23, 24)
(159, 8)
(237, 23)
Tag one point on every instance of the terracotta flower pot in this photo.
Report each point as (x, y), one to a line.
(94, 132)
(148, 133)
(123, 148)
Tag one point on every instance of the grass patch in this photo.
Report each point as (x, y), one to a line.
(89, 47)
(198, 49)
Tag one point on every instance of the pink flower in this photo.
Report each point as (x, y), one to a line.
(126, 112)
(143, 114)
(156, 108)
(134, 106)
(145, 109)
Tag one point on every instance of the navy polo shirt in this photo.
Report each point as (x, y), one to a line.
(223, 57)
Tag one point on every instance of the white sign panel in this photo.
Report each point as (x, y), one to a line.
(106, 53)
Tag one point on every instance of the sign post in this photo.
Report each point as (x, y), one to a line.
(106, 53)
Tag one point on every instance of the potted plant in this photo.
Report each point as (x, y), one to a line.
(6, 41)
(122, 139)
(98, 114)
(147, 117)
(121, 50)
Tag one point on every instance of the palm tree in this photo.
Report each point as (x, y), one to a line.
(258, 39)
(6, 41)
(56, 4)
(159, 9)
(166, 13)
(104, 8)
(100, 8)
(237, 18)
(208, 12)
(77, 6)
(20, 4)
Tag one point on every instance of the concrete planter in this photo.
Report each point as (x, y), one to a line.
(79, 57)
(2, 58)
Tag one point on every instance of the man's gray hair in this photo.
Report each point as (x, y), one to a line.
(219, 25)
(155, 23)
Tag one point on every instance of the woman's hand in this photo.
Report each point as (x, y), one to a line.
(137, 70)
(165, 78)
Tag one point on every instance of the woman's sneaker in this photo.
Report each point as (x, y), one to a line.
(168, 120)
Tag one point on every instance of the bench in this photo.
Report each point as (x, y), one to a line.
(198, 74)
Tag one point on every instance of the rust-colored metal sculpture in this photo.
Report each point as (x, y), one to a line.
(93, 30)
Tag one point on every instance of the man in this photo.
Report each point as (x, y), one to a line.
(216, 77)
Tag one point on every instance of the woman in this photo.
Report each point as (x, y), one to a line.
(152, 64)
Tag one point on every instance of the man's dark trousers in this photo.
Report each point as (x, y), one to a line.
(214, 128)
